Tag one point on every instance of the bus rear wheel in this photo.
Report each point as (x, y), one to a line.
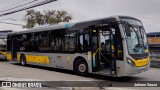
(81, 68)
(23, 60)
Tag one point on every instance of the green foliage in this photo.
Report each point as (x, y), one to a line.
(33, 18)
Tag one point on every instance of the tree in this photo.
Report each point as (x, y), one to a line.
(33, 18)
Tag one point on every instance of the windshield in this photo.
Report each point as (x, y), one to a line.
(137, 40)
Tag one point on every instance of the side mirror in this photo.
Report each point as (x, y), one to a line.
(128, 32)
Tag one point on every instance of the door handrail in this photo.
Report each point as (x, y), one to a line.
(96, 51)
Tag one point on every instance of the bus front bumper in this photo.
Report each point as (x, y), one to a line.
(129, 70)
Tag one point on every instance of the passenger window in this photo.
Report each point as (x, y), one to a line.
(43, 41)
(57, 40)
(70, 42)
(83, 42)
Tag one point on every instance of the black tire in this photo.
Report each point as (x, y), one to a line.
(81, 67)
(23, 60)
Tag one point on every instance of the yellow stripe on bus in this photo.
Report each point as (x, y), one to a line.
(141, 62)
(32, 58)
(18, 57)
(9, 57)
(37, 59)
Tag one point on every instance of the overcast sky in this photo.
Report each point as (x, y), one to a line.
(148, 11)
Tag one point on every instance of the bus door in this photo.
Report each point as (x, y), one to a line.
(95, 50)
(107, 50)
(103, 59)
(14, 49)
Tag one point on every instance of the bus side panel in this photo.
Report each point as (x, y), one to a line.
(119, 68)
(18, 56)
(62, 61)
(9, 56)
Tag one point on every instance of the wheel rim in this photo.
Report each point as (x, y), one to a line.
(22, 61)
(82, 67)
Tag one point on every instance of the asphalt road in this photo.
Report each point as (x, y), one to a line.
(30, 72)
(11, 69)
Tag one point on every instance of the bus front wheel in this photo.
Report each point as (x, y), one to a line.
(23, 60)
(81, 68)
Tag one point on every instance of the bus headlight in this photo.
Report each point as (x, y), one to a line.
(130, 62)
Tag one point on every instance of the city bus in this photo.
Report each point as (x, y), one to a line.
(2, 50)
(154, 39)
(154, 45)
(113, 46)
(3, 42)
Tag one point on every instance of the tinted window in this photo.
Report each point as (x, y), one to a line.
(43, 41)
